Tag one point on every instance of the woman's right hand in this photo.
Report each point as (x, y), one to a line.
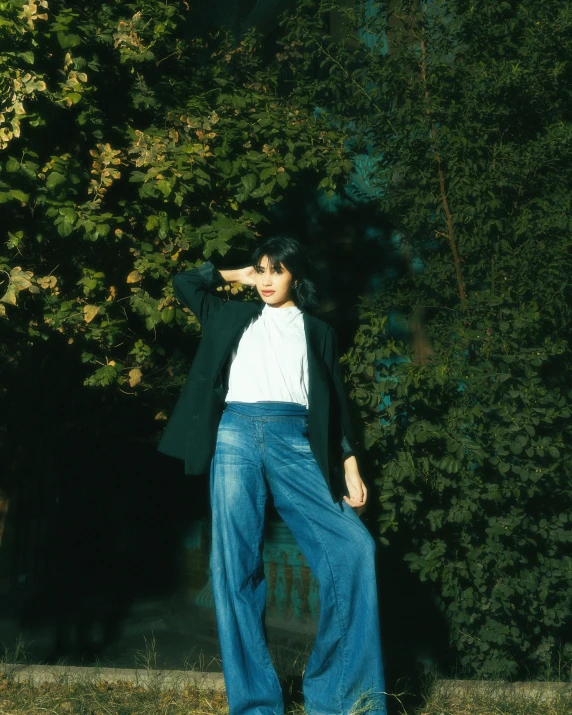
(239, 275)
(247, 275)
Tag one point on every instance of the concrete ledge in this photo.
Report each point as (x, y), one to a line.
(181, 679)
(162, 679)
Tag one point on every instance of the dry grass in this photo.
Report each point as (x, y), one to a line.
(102, 698)
(90, 694)
(496, 698)
(87, 693)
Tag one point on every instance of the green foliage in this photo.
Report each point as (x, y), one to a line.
(467, 117)
(473, 453)
(129, 150)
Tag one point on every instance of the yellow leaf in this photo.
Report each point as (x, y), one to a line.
(20, 279)
(134, 277)
(47, 281)
(9, 297)
(134, 376)
(89, 312)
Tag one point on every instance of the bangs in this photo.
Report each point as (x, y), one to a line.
(275, 258)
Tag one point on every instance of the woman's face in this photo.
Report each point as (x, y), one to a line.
(274, 286)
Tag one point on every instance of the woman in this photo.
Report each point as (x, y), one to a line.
(263, 407)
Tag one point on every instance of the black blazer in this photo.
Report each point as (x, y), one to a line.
(191, 431)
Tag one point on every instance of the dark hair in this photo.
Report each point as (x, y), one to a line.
(294, 256)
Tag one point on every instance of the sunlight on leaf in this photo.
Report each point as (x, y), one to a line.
(89, 312)
(134, 376)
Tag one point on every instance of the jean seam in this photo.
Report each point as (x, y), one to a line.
(334, 581)
(261, 640)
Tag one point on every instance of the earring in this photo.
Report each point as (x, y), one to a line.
(295, 284)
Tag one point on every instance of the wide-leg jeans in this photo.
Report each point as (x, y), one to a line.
(264, 446)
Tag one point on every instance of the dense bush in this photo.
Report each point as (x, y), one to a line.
(466, 112)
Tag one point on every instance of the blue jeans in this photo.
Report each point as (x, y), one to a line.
(262, 446)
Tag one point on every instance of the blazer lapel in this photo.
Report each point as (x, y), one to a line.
(318, 395)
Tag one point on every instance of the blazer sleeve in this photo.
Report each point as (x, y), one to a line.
(332, 357)
(193, 289)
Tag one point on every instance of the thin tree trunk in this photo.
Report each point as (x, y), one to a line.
(448, 215)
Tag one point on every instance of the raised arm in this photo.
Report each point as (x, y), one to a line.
(194, 288)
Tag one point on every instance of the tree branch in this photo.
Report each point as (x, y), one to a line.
(441, 174)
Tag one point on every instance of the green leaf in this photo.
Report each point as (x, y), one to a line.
(64, 228)
(54, 179)
(152, 223)
(249, 182)
(68, 40)
(27, 56)
(167, 314)
(19, 195)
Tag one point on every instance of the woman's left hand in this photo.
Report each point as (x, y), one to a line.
(357, 491)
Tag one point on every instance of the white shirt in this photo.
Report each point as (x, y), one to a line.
(271, 361)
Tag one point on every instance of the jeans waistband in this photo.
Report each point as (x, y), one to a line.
(260, 409)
